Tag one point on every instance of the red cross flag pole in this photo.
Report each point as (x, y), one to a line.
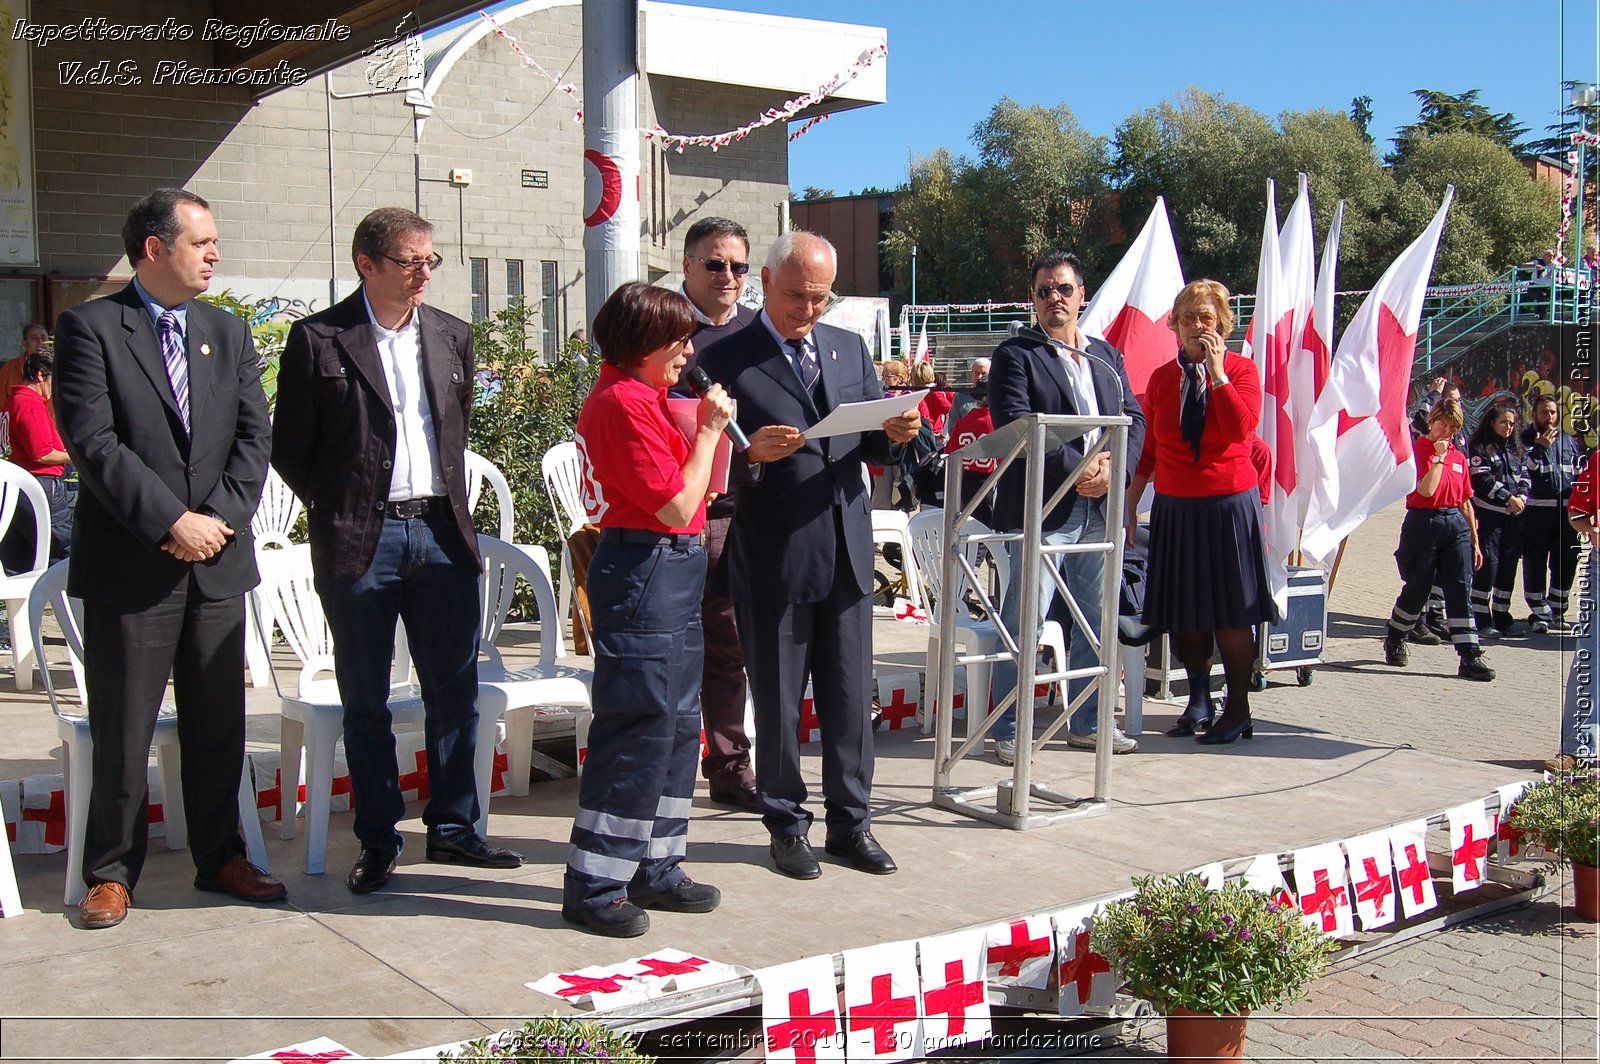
(1319, 878)
(1372, 879)
(953, 994)
(799, 1012)
(1470, 836)
(1408, 847)
(883, 1004)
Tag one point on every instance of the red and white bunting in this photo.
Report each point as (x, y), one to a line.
(1087, 982)
(599, 987)
(1408, 845)
(800, 1011)
(1322, 890)
(1131, 309)
(315, 1051)
(955, 1004)
(1372, 879)
(1264, 874)
(1213, 875)
(672, 970)
(1508, 840)
(1021, 953)
(899, 697)
(1470, 836)
(882, 1003)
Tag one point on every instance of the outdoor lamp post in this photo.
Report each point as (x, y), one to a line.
(1583, 100)
(913, 275)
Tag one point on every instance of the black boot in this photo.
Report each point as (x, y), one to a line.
(1394, 649)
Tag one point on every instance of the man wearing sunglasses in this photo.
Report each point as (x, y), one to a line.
(716, 261)
(374, 395)
(1069, 374)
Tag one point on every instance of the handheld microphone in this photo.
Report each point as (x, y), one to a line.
(701, 384)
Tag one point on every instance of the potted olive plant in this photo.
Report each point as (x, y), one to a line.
(1563, 814)
(1208, 958)
(548, 1040)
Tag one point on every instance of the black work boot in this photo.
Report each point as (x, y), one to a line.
(1394, 649)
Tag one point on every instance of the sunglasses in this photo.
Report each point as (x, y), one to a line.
(1045, 291)
(432, 262)
(717, 266)
(1201, 318)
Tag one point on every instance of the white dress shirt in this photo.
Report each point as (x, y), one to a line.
(416, 472)
(1081, 376)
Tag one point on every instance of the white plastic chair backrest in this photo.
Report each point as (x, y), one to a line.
(503, 565)
(479, 470)
(279, 510)
(290, 598)
(563, 479)
(16, 482)
(50, 591)
(927, 544)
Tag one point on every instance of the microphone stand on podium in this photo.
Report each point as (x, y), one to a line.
(1015, 802)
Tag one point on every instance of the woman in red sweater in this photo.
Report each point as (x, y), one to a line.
(1207, 579)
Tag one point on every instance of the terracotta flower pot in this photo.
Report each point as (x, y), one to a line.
(1586, 890)
(1203, 1036)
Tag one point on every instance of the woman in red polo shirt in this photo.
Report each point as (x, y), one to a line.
(1439, 544)
(647, 484)
(1207, 580)
(36, 446)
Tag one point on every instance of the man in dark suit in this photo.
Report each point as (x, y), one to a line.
(1063, 372)
(800, 552)
(374, 395)
(160, 407)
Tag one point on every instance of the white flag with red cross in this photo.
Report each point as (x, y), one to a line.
(1323, 891)
(1021, 952)
(1372, 879)
(1470, 837)
(670, 970)
(800, 1011)
(955, 1003)
(1265, 874)
(1312, 361)
(1408, 845)
(899, 695)
(1508, 840)
(598, 987)
(1360, 429)
(1131, 309)
(882, 1003)
(1087, 982)
(922, 343)
(1268, 342)
(315, 1051)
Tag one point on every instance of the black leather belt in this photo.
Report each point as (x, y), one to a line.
(409, 508)
(640, 537)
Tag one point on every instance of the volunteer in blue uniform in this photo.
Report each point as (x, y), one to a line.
(1500, 495)
(647, 483)
(1549, 545)
(1439, 545)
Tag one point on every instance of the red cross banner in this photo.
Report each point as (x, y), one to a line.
(44, 815)
(1087, 982)
(1265, 874)
(1408, 845)
(597, 987)
(1508, 840)
(899, 695)
(810, 728)
(883, 1003)
(672, 970)
(1324, 893)
(1372, 879)
(799, 1011)
(316, 1051)
(1470, 838)
(1021, 952)
(954, 1000)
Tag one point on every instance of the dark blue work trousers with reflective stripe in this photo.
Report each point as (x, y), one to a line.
(1436, 550)
(632, 822)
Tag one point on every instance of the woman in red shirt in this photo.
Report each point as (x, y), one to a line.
(1207, 580)
(1439, 545)
(36, 447)
(647, 485)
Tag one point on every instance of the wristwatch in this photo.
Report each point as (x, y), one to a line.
(1438, 459)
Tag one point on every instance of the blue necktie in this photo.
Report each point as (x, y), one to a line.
(177, 364)
(805, 366)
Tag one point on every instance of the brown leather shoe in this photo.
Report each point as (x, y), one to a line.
(106, 906)
(244, 881)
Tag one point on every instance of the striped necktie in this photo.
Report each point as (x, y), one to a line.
(805, 365)
(177, 364)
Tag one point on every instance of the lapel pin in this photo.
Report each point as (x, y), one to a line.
(205, 349)
(834, 355)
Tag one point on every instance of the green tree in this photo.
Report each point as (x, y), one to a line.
(1361, 115)
(1444, 112)
(941, 215)
(1340, 164)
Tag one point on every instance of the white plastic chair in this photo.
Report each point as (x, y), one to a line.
(541, 694)
(50, 591)
(562, 467)
(894, 526)
(481, 471)
(17, 483)
(271, 525)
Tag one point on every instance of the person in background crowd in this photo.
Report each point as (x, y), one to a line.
(935, 407)
(1578, 732)
(1500, 485)
(890, 489)
(975, 424)
(968, 398)
(1439, 544)
(1549, 544)
(1069, 373)
(34, 338)
(716, 260)
(645, 585)
(1430, 629)
(1207, 580)
(896, 377)
(36, 447)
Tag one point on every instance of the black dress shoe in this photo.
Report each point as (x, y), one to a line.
(468, 849)
(863, 853)
(620, 919)
(793, 857)
(686, 896)
(744, 798)
(1221, 736)
(1195, 718)
(370, 872)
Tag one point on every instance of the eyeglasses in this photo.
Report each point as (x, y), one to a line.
(1196, 317)
(1045, 291)
(717, 266)
(432, 262)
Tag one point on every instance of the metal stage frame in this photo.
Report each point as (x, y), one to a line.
(1010, 802)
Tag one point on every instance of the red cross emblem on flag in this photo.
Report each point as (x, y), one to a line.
(417, 780)
(809, 725)
(1324, 899)
(1504, 832)
(656, 966)
(1415, 876)
(882, 1013)
(1376, 887)
(578, 985)
(1011, 955)
(296, 1056)
(897, 710)
(1468, 854)
(954, 998)
(905, 611)
(804, 1028)
(53, 817)
(1084, 965)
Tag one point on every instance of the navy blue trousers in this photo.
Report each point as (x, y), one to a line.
(1436, 550)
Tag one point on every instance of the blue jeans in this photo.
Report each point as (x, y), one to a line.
(1578, 708)
(1084, 578)
(424, 575)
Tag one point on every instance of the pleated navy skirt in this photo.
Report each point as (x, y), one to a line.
(1208, 566)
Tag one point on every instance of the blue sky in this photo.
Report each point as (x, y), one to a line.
(949, 61)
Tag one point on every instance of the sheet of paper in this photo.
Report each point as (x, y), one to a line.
(864, 417)
(686, 415)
